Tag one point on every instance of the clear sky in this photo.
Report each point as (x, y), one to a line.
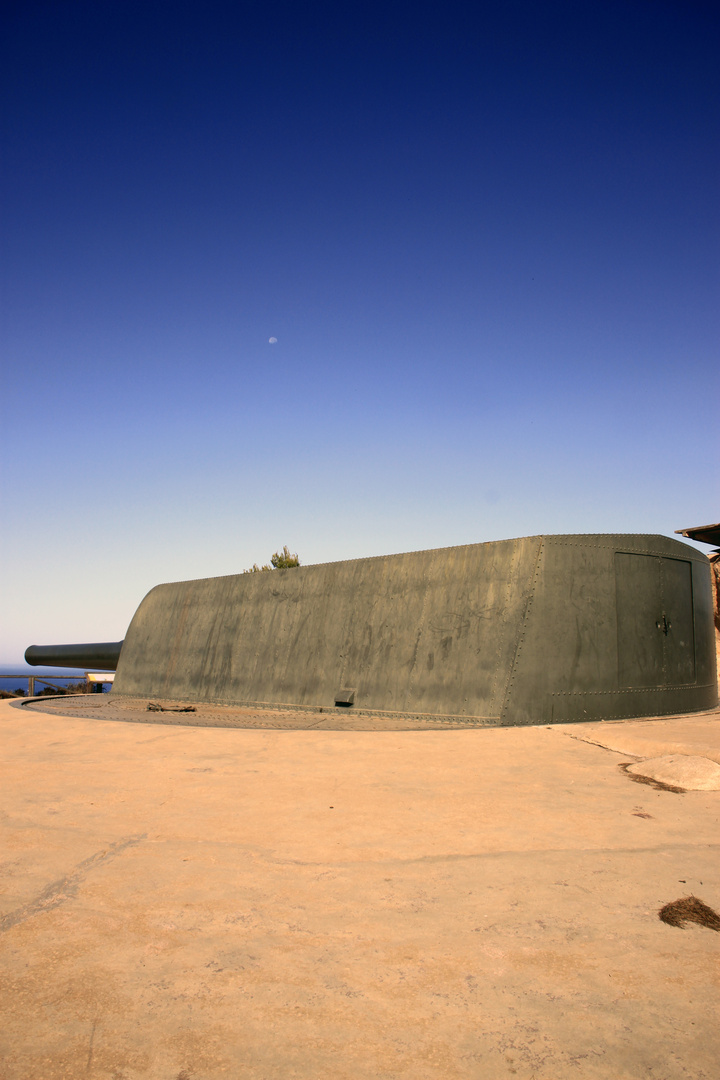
(484, 235)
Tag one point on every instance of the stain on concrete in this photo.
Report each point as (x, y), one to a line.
(638, 778)
(57, 892)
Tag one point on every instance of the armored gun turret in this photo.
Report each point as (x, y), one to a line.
(535, 630)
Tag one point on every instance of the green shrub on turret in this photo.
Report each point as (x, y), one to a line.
(281, 560)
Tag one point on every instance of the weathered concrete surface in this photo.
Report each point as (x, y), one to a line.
(527, 631)
(185, 904)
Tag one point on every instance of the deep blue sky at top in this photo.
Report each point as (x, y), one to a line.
(484, 235)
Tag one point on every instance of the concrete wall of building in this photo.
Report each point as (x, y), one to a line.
(514, 632)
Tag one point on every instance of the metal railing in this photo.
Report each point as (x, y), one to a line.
(94, 685)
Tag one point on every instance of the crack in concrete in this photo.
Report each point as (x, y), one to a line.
(88, 1065)
(602, 746)
(57, 892)
(453, 857)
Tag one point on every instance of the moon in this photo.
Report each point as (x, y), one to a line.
(272, 341)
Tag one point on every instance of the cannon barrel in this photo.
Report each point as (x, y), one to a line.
(97, 656)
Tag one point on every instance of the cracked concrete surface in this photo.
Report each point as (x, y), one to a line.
(183, 903)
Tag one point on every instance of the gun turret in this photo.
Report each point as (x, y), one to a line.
(100, 656)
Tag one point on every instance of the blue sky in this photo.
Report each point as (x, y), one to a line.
(485, 237)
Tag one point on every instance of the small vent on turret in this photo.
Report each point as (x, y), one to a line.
(344, 698)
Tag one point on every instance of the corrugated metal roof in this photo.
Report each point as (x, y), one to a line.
(706, 534)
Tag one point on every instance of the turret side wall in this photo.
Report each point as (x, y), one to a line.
(429, 632)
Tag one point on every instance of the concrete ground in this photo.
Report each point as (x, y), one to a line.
(186, 903)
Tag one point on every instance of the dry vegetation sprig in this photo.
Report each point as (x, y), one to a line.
(689, 909)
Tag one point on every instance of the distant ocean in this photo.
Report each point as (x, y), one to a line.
(57, 676)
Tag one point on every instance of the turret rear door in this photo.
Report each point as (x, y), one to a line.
(656, 642)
